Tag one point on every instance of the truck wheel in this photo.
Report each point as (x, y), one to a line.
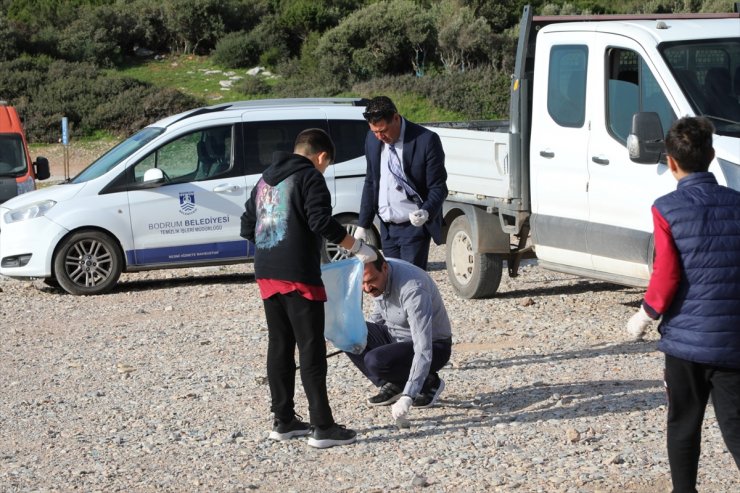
(473, 275)
(88, 262)
(331, 252)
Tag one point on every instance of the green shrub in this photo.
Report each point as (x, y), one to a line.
(9, 40)
(237, 50)
(44, 91)
(253, 86)
(479, 94)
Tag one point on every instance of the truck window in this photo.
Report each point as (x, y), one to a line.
(263, 141)
(708, 72)
(196, 156)
(631, 87)
(566, 85)
(12, 157)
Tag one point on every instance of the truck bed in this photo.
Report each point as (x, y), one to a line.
(477, 160)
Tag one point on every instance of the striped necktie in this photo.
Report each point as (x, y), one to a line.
(394, 166)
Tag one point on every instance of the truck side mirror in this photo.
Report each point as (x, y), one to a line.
(41, 168)
(645, 142)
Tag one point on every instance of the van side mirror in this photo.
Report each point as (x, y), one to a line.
(41, 168)
(645, 142)
(153, 176)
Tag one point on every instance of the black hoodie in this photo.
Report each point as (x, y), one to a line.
(286, 216)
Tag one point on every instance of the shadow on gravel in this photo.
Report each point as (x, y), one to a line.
(543, 401)
(527, 359)
(538, 402)
(200, 280)
(578, 288)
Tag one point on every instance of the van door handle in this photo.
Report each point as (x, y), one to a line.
(225, 187)
(600, 160)
(547, 154)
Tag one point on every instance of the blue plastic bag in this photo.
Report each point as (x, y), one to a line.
(345, 323)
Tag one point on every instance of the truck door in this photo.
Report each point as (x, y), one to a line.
(621, 192)
(558, 148)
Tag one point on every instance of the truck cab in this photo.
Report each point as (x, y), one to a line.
(17, 173)
(568, 178)
(590, 201)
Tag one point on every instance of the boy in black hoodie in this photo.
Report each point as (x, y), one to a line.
(287, 214)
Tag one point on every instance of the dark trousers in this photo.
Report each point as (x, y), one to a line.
(385, 360)
(405, 241)
(293, 319)
(689, 386)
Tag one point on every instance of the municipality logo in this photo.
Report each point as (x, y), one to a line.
(187, 203)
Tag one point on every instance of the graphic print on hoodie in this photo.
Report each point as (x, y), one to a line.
(272, 206)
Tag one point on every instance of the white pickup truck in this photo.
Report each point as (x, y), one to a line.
(573, 173)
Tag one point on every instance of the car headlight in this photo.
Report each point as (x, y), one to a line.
(30, 211)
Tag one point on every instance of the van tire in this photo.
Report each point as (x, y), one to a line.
(88, 262)
(331, 252)
(472, 274)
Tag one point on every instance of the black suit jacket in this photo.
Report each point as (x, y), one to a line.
(424, 165)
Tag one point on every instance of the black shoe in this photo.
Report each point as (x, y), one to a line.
(430, 394)
(334, 435)
(389, 393)
(293, 428)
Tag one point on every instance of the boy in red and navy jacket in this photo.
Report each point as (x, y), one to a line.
(695, 290)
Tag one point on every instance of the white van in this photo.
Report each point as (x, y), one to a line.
(172, 195)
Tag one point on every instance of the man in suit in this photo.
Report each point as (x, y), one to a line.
(405, 183)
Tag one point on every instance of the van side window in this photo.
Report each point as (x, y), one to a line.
(265, 141)
(196, 156)
(566, 85)
(631, 87)
(349, 138)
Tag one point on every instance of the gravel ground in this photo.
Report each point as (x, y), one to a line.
(160, 386)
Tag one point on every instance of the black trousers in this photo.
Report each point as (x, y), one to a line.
(689, 386)
(385, 360)
(294, 320)
(405, 241)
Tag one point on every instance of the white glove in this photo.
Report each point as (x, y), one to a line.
(638, 324)
(418, 218)
(363, 252)
(360, 233)
(401, 408)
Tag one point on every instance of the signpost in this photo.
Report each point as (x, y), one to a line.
(65, 143)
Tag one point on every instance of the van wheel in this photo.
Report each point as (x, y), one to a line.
(88, 262)
(331, 252)
(473, 275)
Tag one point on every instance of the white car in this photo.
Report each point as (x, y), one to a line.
(172, 194)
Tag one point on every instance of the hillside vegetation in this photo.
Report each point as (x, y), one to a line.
(113, 66)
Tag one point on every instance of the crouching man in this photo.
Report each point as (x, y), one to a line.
(408, 336)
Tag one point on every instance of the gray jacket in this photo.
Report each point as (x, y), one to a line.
(412, 309)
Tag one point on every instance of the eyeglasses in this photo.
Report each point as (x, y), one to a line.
(376, 115)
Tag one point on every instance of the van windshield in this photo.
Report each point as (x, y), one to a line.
(708, 72)
(12, 156)
(113, 157)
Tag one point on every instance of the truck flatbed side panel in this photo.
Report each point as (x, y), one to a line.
(477, 162)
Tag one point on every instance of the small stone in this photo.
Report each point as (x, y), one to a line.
(419, 481)
(572, 435)
(527, 302)
(615, 459)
